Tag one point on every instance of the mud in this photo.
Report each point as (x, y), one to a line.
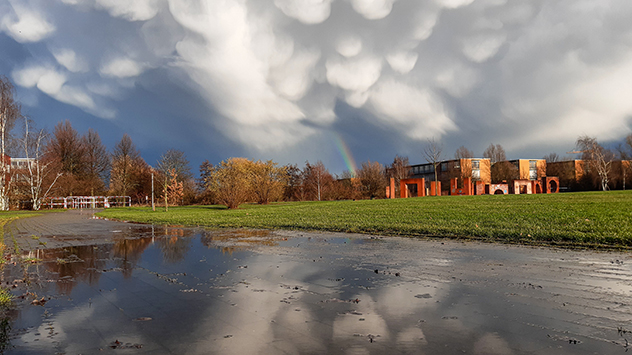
(147, 289)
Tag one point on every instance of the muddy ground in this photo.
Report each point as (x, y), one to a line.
(104, 287)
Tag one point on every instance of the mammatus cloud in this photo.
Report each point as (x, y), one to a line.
(276, 72)
(121, 68)
(54, 84)
(69, 60)
(415, 111)
(309, 12)
(373, 9)
(23, 23)
(137, 10)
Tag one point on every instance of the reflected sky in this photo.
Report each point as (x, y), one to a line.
(259, 292)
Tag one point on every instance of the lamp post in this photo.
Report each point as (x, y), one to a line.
(153, 206)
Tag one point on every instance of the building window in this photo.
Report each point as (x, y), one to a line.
(476, 164)
(533, 170)
(476, 174)
(533, 174)
(444, 167)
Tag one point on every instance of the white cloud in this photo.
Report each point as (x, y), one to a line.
(453, 4)
(356, 99)
(307, 11)
(357, 74)
(28, 77)
(51, 82)
(480, 48)
(457, 79)
(425, 23)
(373, 9)
(24, 24)
(294, 77)
(273, 72)
(233, 72)
(402, 62)
(121, 68)
(597, 105)
(349, 46)
(417, 112)
(103, 89)
(132, 10)
(70, 60)
(55, 85)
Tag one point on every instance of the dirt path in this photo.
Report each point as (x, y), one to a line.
(57, 230)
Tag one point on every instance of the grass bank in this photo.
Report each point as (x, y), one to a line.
(6, 217)
(580, 219)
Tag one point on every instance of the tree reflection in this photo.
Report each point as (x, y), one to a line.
(231, 241)
(127, 253)
(73, 264)
(176, 244)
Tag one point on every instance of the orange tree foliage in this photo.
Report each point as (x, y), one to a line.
(230, 181)
(268, 181)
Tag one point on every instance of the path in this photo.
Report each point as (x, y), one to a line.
(62, 229)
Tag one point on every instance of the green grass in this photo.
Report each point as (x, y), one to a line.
(6, 217)
(6, 298)
(579, 219)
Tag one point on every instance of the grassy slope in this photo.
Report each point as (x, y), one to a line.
(573, 218)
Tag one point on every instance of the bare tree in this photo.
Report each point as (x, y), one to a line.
(495, 153)
(96, 160)
(205, 196)
(463, 153)
(551, 158)
(504, 171)
(294, 189)
(67, 149)
(400, 169)
(38, 166)
(432, 153)
(373, 179)
(599, 158)
(9, 113)
(346, 186)
(176, 160)
(317, 180)
(124, 157)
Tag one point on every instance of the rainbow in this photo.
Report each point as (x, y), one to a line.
(346, 154)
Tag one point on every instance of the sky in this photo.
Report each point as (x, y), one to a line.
(341, 81)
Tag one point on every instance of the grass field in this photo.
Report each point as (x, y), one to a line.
(579, 219)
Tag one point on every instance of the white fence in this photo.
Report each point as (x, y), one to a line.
(88, 202)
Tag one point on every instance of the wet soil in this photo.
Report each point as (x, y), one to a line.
(134, 289)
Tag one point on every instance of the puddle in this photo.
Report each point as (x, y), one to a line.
(247, 292)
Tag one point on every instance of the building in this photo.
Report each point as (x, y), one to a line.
(477, 169)
(579, 175)
(529, 169)
(476, 176)
(21, 163)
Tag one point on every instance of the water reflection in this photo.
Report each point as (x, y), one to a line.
(175, 290)
(235, 240)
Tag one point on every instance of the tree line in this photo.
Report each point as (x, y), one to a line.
(66, 163)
